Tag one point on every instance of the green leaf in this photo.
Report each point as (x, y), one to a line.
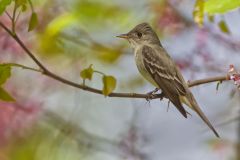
(96, 12)
(109, 84)
(33, 21)
(87, 73)
(5, 96)
(198, 12)
(20, 2)
(4, 4)
(220, 6)
(223, 26)
(5, 73)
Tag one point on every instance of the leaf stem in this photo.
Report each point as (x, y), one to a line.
(9, 16)
(99, 72)
(20, 66)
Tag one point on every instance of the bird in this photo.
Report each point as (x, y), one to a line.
(156, 65)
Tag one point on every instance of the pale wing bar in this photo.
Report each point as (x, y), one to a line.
(165, 79)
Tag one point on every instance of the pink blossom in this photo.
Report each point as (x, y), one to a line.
(234, 75)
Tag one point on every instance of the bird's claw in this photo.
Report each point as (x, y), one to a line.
(151, 95)
(154, 91)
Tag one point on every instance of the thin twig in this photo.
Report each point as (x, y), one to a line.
(18, 15)
(13, 18)
(46, 72)
(9, 16)
(17, 39)
(208, 80)
(21, 66)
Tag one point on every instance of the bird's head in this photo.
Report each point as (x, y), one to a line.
(140, 35)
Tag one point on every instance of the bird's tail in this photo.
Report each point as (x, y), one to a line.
(190, 101)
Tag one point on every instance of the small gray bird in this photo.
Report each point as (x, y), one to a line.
(155, 64)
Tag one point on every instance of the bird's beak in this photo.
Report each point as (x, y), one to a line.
(125, 36)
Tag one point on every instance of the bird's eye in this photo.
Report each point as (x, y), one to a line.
(139, 34)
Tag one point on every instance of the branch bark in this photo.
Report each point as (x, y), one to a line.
(48, 73)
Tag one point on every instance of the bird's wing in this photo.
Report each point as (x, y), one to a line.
(163, 70)
(169, 78)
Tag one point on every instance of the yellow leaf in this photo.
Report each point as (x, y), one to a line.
(198, 12)
(220, 6)
(87, 73)
(61, 22)
(109, 84)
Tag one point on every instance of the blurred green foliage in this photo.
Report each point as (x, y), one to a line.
(213, 7)
(84, 20)
(198, 12)
(4, 4)
(44, 142)
(222, 6)
(95, 12)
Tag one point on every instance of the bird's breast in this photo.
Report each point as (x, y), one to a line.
(141, 67)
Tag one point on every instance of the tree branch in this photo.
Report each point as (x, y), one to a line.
(46, 72)
(208, 80)
(17, 39)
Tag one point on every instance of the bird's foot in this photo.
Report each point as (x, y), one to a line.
(154, 91)
(168, 105)
(151, 95)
